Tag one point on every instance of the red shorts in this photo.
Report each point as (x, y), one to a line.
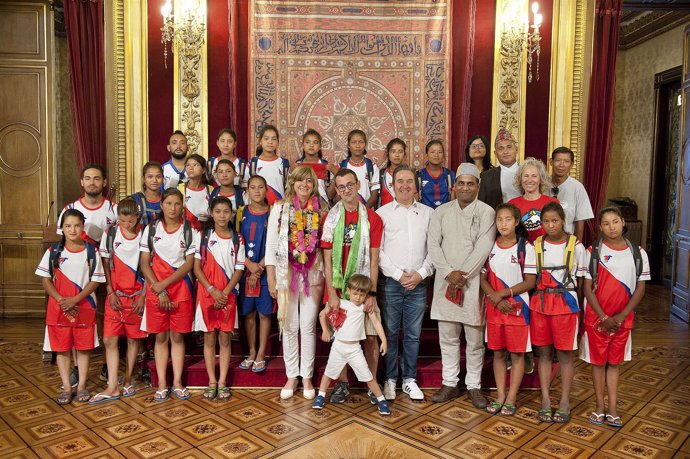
(178, 319)
(124, 322)
(62, 339)
(559, 330)
(208, 318)
(599, 349)
(514, 338)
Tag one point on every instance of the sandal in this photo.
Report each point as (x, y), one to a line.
(508, 409)
(224, 393)
(65, 398)
(128, 391)
(83, 396)
(102, 398)
(246, 364)
(161, 395)
(545, 415)
(259, 366)
(614, 421)
(494, 407)
(210, 393)
(561, 416)
(181, 393)
(596, 418)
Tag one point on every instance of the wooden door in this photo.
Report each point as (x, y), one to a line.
(680, 289)
(26, 151)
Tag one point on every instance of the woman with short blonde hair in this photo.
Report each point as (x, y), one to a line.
(532, 180)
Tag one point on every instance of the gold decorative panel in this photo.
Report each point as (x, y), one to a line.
(23, 29)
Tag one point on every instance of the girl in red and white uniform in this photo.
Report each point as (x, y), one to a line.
(555, 310)
(509, 275)
(196, 192)
(396, 152)
(226, 143)
(368, 173)
(166, 267)
(71, 271)
(609, 311)
(311, 155)
(218, 267)
(124, 304)
(225, 175)
(268, 164)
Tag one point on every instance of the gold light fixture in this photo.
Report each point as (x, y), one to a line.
(187, 33)
(517, 38)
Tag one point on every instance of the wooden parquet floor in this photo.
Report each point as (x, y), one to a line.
(654, 402)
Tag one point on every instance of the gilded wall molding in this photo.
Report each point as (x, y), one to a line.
(510, 83)
(115, 97)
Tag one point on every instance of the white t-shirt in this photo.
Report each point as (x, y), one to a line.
(126, 255)
(170, 247)
(508, 182)
(353, 327)
(273, 172)
(196, 204)
(575, 201)
(505, 265)
(240, 179)
(554, 256)
(222, 251)
(365, 187)
(97, 219)
(171, 176)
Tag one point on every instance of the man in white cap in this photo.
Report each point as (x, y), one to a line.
(461, 234)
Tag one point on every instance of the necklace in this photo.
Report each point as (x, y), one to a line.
(303, 239)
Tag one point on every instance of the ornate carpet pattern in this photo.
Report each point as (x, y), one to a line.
(382, 67)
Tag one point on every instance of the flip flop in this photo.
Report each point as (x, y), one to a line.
(83, 396)
(129, 391)
(65, 398)
(102, 398)
(508, 410)
(596, 418)
(181, 393)
(261, 364)
(614, 421)
(161, 395)
(246, 364)
(545, 415)
(210, 393)
(494, 407)
(561, 416)
(224, 393)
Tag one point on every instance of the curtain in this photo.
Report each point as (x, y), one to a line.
(238, 13)
(601, 105)
(462, 37)
(84, 25)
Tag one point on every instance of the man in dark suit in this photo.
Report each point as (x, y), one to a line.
(496, 185)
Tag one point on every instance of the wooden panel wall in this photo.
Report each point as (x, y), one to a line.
(26, 151)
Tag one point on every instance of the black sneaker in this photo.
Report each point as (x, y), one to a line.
(104, 373)
(340, 392)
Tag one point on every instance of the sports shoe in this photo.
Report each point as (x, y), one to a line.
(372, 398)
(412, 389)
(318, 402)
(384, 409)
(389, 389)
(340, 392)
(529, 363)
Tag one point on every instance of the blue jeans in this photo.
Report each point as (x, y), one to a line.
(406, 308)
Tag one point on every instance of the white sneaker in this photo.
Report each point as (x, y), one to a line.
(412, 389)
(389, 389)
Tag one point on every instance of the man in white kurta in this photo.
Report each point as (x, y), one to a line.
(461, 234)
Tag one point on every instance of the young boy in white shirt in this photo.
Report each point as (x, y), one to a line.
(345, 349)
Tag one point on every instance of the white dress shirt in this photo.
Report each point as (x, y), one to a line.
(403, 246)
(508, 182)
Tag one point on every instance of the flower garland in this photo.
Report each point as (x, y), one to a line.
(303, 240)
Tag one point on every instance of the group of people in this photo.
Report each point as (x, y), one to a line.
(207, 242)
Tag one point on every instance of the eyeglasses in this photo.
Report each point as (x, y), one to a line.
(477, 146)
(554, 191)
(348, 186)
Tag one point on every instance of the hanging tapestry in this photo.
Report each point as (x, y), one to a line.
(382, 67)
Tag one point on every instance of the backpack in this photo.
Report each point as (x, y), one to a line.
(567, 266)
(56, 250)
(182, 186)
(206, 234)
(187, 229)
(254, 164)
(109, 243)
(596, 252)
(239, 200)
(370, 167)
(144, 210)
(446, 175)
(240, 173)
(521, 253)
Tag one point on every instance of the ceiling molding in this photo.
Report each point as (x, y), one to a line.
(640, 26)
(648, 5)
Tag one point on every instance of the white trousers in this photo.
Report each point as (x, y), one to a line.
(449, 339)
(347, 354)
(300, 325)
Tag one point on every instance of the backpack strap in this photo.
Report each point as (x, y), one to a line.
(370, 169)
(253, 164)
(286, 170)
(569, 260)
(239, 199)
(419, 183)
(446, 174)
(594, 262)
(637, 257)
(539, 255)
(238, 218)
(91, 258)
(109, 244)
(188, 234)
(54, 258)
(152, 233)
(521, 252)
(242, 166)
(214, 194)
(203, 244)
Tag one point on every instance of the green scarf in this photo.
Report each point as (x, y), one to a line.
(339, 279)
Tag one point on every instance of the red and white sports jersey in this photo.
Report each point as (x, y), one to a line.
(169, 254)
(172, 177)
(71, 276)
(233, 199)
(222, 259)
(556, 303)
(196, 206)
(125, 275)
(387, 192)
(503, 270)
(365, 186)
(272, 171)
(616, 281)
(98, 219)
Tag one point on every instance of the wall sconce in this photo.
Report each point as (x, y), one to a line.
(188, 33)
(517, 37)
